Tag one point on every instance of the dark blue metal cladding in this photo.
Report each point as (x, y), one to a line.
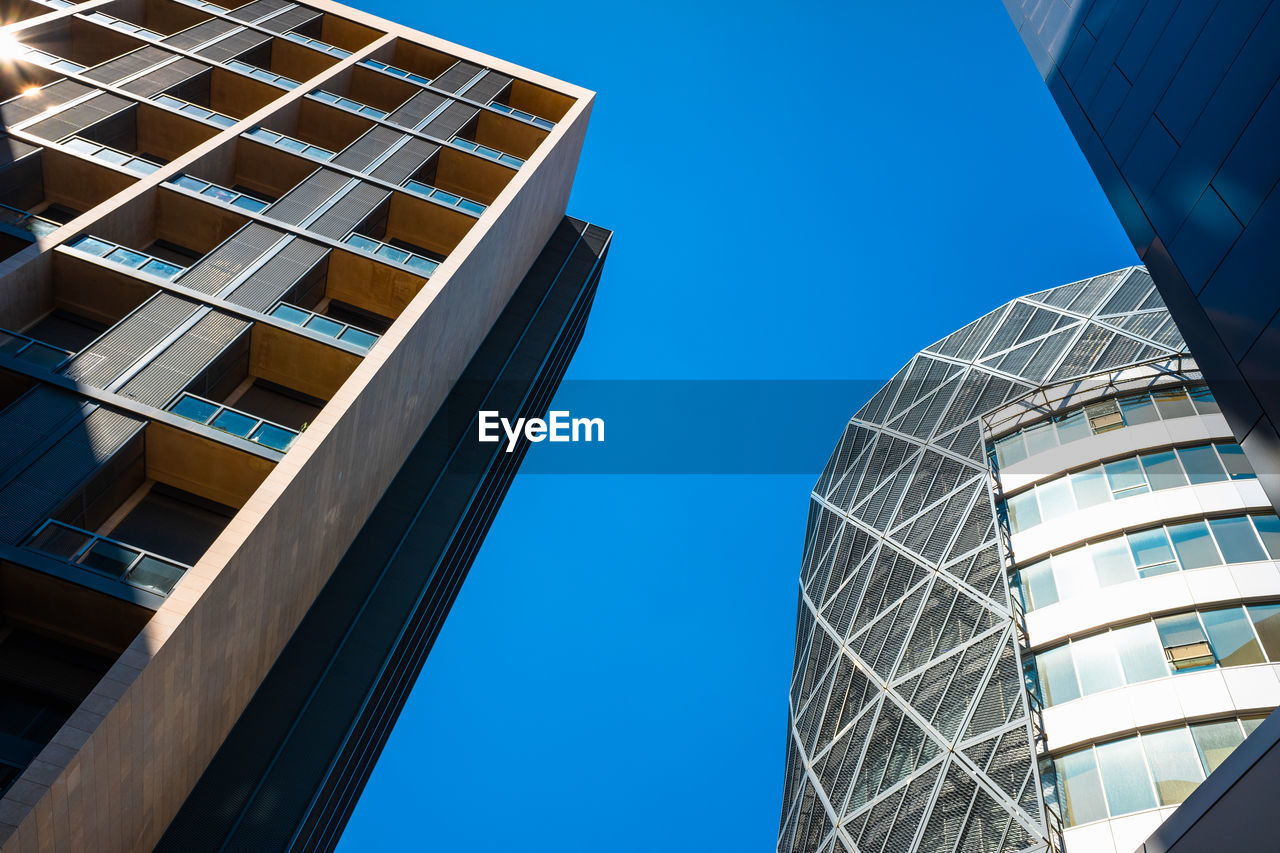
(1176, 107)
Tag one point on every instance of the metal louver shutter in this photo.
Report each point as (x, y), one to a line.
(458, 75)
(350, 211)
(199, 34)
(221, 266)
(369, 147)
(407, 160)
(77, 118)
(411, 113)
(165, 77)
(307, 197)
(270, 283)
(184, 359)
(490, 84)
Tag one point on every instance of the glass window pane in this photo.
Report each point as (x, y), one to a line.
(1203, 400)
(324, 326)
(393, 254)
(1124, 777)
(1175, 764)
(1081, 798)
(1173, 403)
(1151, 552)
(127, 257)
(59, 541)
(1202, 464)
(142, 167)
(358, 337)
(194, 408)
(156, 575)
(221, 120)
(93, 246)
(1113, 562)
(1233, 458)
(273, 436)
(1037, 583)
(1186, 646)
(1073, 426)
(1237, 540)
(1194, 545)
(43, 355)
(109, 557)
(1097, 664)
(1040, 437)
(1104, 416)
(1163, 470)
(1251, 723)
(450, 198)
(189, 183)
(1090, 487)
(1125, 477)
(1056, 499)
(1268, 527)
(1074, 574)
(220, 194)
(251, 204)
(1231, 637)
(111, 156)
(1141, 653)
(421, 265)
(1024, 512)
(1266, 620)
(290, 314)
(471, 206)
(164, 269)
(235, 423)
(1215, 741)
(1138, 409)
(1057, 675)
(362, 242)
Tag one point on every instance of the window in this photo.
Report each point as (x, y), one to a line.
(1175, 765)
(1056, 499)
(1215, 741)
(1118, 559)
(1194, 545)
(1104, 416)
(1238, 541)
(1090, 487)
(1163, 470)
(1266, 620)
(1057, 675)
(1124, 777)
(1141, 653)
(1233, 458)
(1231, 637)
(1185, 644)
(1173, 403)
(1024, 512)
(1151, 552)
(1138, 409)
(1202, 464)
(1081, 798)
(1097, 664)
(1126, 478)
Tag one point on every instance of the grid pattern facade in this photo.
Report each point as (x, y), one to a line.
(1176, 107)
(242, 245)
(909, 727)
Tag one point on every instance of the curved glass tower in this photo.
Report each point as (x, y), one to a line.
(1037, 599)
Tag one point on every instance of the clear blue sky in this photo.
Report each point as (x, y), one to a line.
(803, 193)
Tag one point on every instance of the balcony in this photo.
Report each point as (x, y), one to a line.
(314, 130)
(110, 557)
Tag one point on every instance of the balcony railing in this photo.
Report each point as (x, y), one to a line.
(20, 346)
(20, 223)
(133, 163)
(126, 257)
(316, 44)
(395, 72)
(523, 116)
(123, 26)
(486, 151)
(213, 191)
(324, 325)
(238, 423)
(262, 74)
(193, 110)
(448, 198)
(108, 557)
(348, 104)
(288, 143)
(48, 60)
(417, 263)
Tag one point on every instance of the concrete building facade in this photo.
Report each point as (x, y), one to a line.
(259, 266)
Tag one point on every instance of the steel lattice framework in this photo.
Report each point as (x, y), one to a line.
(909, 726)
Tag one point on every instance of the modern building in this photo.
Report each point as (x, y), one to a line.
(1175, 106)
(260, 265)
(1040, 596)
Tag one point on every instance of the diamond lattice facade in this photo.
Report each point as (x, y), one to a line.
(923, 610)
